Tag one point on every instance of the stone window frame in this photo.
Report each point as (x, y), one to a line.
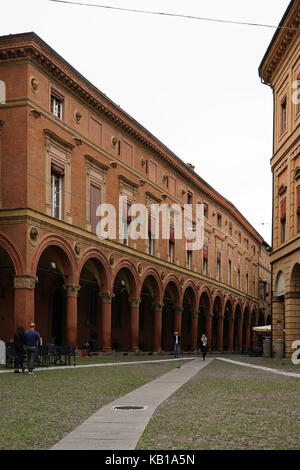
(96, 172)
(59, 151)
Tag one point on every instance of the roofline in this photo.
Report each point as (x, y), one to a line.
(277, 32)
(36, 38)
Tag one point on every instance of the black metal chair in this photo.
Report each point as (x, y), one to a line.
(68, 352)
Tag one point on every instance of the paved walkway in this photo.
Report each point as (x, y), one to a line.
(111, 429)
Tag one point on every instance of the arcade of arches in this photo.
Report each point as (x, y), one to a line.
(130, 309)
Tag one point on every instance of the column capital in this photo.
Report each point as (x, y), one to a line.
(106, 297)
(71, 290)
(179, 310)
(292, 295)
(221, 318)
(195, 313)
(134, 303)
(158, 306)
(25, 281)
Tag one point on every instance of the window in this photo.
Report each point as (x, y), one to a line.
(151, 233)
(205, 259)
(239, 278)
(230, 228)
(282, 219)
(247, 282)
(218, 274)
(229, 272)
(119, 147)
(171, 252)
(219, 220)
(189, 259)
(283, 114)
(189, 198)
(57, 101)
(205, 210)
(126, 220)
(95, 200)
(240, 237)
(57, 174)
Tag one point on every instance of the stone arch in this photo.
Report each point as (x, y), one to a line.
(280, 284)
(13, 253)
(68, 266)
(205, 308)
(134, 283)
(151, 272)
(217, 312)
(102, 264)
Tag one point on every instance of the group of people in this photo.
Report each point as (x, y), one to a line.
(30, 340)
(89, 345)
(202, 346)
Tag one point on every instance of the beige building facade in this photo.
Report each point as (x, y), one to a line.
(280, 69)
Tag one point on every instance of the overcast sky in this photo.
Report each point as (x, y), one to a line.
(193, 84)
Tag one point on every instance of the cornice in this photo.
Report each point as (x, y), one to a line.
(32, 48)
(280, 42)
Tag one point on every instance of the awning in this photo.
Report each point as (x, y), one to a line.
(263, 330)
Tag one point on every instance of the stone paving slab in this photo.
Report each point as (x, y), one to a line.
(110, 429)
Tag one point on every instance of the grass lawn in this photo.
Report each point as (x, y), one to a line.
(228, 407)
(38, 410)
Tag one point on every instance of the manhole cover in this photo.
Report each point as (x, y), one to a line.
(127, 407)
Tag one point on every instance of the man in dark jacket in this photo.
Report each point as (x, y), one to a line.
(33, 341)
(176, 344)
(19, 343)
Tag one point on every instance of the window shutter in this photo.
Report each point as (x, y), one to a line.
(283, 210)
(172, 237)
(219, 257)
(205, 252)
(95, 198)
(298, 200)
(151, 224)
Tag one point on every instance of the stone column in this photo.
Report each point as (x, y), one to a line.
(278, 321)
(105, 324)
(220, 332)
(71, 314)
(177, 319)
(157, 326)
(134, 324)
(24, 300)
(194, 333)
(230, 333)
(208, 328)
(292, 321)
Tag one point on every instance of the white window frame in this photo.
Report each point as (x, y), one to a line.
(53, 206)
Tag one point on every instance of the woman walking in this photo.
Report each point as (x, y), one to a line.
(203, 346)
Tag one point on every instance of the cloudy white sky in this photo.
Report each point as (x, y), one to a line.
(193, 84)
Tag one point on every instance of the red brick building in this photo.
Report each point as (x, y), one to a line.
(65, 147)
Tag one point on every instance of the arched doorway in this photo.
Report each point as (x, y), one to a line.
(91, 281)
(124, 327)
(217, 312)
(237, 346)
(227, 327)
(149, 296)
(246, 326)
(7, 273)
(53, 272)
(189, 303)
(170, 301)
(204, 311)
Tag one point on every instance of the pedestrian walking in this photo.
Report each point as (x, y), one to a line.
(32, 341)
(19, 345)
(176, 344)
(203, 346)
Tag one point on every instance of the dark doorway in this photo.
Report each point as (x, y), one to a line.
(58, 330)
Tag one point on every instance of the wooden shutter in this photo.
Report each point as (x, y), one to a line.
(205, 252)
(283, 210)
